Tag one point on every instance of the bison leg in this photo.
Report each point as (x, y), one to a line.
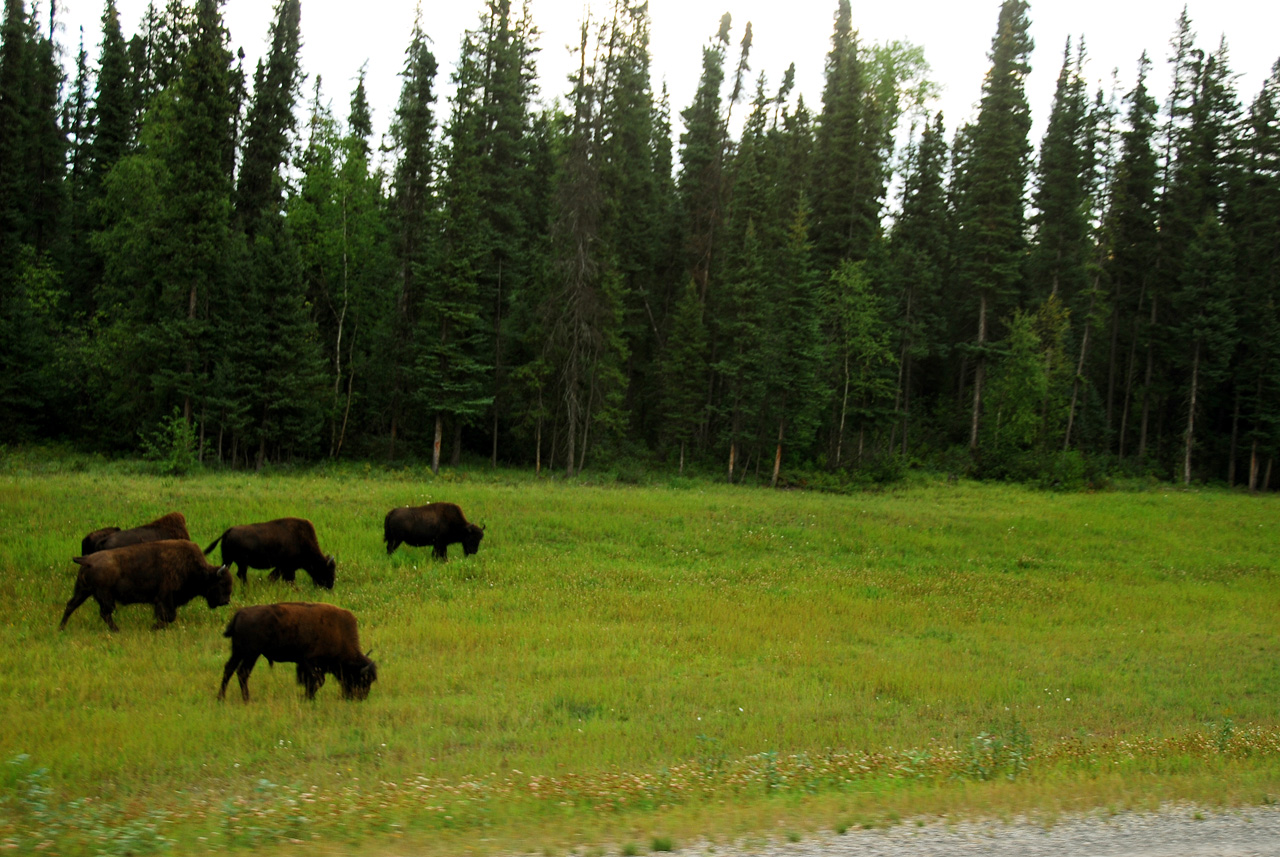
(242, 572)
(310, 677)
(77, 598)
(165, 613)
(392, 544)
(440, 550)
(232, 663)
(107, 606)
(242, 673)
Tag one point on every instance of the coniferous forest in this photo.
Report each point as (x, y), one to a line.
(840, 291)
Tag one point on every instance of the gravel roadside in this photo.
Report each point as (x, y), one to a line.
(1179, 831)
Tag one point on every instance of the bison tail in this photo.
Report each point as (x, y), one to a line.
(79, 560)
(214, 545)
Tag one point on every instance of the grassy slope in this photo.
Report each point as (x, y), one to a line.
(605, 631)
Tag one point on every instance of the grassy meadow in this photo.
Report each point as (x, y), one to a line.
(623, 668)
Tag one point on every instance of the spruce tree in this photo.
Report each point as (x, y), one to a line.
(991, 240)
(918, 251)
(700, 184)
(1253, 217)
(412, 212)
(1130, 234)
(270, 125)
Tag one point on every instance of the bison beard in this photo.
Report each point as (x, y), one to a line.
(436, 524)
(319, 638)
(166, 574)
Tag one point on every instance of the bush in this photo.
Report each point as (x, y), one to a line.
(173, 445)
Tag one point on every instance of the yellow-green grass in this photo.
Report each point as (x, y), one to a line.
(623, 665)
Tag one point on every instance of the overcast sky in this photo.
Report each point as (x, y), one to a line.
(339, 36)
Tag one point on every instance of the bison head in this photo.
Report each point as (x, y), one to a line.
(218, 592)
(358, 677)
(471, 539)
(327, 573)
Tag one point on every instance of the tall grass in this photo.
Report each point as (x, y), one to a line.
(634, 653)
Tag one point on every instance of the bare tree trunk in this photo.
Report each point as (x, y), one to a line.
(1253, 466)
(346, 413)
(1235, 442)
(682, 458)
(844, 410)
(1146, 393)
(1191, 416)
(733, 452)
(435, 444)
(1266, 479)
(497, 366)
(978, 374)
(777, 458)
(1112, 359)
(1075, 384)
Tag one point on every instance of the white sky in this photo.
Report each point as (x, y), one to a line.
(339, 36)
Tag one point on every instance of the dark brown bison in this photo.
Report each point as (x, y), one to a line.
(170, 526)
(435, 524)
(283, 545)
(319, 638)
(165, 574)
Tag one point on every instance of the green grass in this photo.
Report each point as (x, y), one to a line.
(645, 664)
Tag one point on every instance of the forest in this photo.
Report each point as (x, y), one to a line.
(198, 257)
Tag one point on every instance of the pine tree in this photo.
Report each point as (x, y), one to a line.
(412, 212)
(1206, 327)
(1253, 217)
(918, 251)
(991, 240)
(1131, 238)
(1060, 247)
(684, 372)
(270, 124)
(700, 184)
(197, 244)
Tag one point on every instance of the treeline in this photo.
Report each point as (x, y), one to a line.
(189, 247)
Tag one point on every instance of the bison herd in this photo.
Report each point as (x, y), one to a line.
(158, 564)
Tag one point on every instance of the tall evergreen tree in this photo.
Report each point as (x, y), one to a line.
(1131, 240)
(270, 124)
(1253, 217)
(1060, 248)
(700, 183)
(918, 250)
(412, 212)
(991, 239)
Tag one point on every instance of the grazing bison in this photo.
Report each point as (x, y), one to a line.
(435, 524)
(283, 545)
(319, 638)
(165, 574)
(170, 526)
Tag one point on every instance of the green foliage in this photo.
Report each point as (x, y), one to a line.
(1005, 754)
(172, 445)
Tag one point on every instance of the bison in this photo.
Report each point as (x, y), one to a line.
(435, 524)
(170, 526)
(319, 638)
(165, 574)
(283, 545)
